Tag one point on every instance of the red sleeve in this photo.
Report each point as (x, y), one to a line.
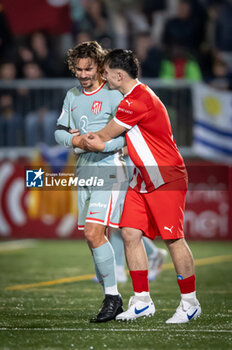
(129, 112)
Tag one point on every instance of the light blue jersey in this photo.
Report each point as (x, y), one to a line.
(90, 112)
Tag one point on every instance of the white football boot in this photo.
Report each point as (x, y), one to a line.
(155, 264)
(137, 307)
(186, 312)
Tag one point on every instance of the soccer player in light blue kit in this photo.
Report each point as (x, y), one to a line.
(89, 108)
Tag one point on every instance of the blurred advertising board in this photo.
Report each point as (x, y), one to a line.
(35, 213)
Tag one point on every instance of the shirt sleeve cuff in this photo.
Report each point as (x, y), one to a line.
(69, 140)
(122, 124)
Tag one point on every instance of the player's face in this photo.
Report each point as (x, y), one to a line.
(112, 77)
(87, 73)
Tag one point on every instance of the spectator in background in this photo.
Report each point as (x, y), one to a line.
(149, 7)
(11, 123)
(99, 23)
(212, 10)
(92, 16)
(24, 55)
(137, 21)
(8, 70)
(6, 39)
(149, 55)
(119, 25)
(31, 70)
(223, 32)
(184, 30)
(40, 121)
(78, 16)
(220, 76)
(180, 64)
(82, 36)
(44, 54)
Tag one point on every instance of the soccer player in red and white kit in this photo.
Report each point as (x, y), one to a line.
(155, 202)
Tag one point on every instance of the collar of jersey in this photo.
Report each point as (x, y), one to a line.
(138, 83)
(95, 91)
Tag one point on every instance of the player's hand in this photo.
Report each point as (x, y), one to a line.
(94, 143)
(77, 141)
(75, 132)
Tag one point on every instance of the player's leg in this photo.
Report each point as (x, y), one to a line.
(103, 255)
(156, 257)
(140, 304)
(169, 218)
(83, 196)
(104, 260)
(97, 218)
(119, 193)
(118, 247)
(182, 258)
(134, 215)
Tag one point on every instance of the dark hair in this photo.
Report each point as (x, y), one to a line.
(88, 49)
(123, 59)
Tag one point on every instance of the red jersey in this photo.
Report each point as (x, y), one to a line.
(150, 141)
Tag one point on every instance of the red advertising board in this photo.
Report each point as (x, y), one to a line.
(209, 201)
(34, 214)
(53, 214)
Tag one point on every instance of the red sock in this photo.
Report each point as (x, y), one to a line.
(187, 285)
(140, 281)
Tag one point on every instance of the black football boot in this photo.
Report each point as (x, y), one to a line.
(111, 307)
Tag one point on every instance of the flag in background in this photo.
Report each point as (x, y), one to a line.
(212, 114)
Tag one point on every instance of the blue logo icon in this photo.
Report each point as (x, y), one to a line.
(34, 178)
(191, 316)
(141, 310)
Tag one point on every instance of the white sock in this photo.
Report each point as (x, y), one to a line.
(113, 290)
(189, 299)
(143, 296)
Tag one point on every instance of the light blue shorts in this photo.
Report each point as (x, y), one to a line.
(101, 207)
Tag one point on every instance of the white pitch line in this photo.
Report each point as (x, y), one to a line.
(17, 244)
(116, 330)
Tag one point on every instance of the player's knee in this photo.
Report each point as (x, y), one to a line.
(90, 236)
(95, 236)
(127, 235)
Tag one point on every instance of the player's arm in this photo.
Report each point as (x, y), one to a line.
(69, 138)
(78, 142)
(62, 132)
(63, 136)
(115, 144)
(110, 146)
(110, 131)
(96, 141)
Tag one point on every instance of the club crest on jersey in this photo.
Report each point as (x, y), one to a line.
(96, 107)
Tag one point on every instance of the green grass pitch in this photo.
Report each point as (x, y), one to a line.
(56, 315)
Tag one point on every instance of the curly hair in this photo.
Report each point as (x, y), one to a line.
(88, 49)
